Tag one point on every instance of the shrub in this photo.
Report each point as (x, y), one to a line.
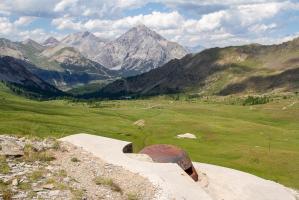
(7, 194)
(108, 182)
(251, 100)
(30, 155)
(4, 168)
(132, 196)
(74, 159)
(36, 175)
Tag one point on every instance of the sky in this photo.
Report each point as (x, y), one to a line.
(207, 23)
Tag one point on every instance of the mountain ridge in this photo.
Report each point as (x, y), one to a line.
(217, 71)
(14, 72)
(85, 42)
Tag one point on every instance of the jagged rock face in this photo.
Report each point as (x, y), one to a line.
(85, 42)
(50, 42)
(140, 50)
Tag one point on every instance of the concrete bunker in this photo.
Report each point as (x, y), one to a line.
(163, 153)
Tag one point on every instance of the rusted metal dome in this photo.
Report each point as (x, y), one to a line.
(164, 153)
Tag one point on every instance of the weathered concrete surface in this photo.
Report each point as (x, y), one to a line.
(222, 183)
(229, 184)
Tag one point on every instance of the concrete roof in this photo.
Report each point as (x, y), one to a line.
(174, 183)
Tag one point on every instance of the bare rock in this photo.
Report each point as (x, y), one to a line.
(11, 146)
(139, 123)
(48, 186)
(15, 182)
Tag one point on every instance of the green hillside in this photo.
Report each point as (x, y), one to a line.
(260, 139)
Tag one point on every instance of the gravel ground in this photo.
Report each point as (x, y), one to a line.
(86, 168)
(44, 169)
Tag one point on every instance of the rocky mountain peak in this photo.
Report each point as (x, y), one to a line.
(140, 32)
(86, 42)
(87, 33)
(139, 50)
(30, 41)
(33, 44)
(50, 42)
(142, 28)
(76, 37)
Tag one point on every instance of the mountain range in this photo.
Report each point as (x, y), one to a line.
(142, 63)
(61, 66)
(82, 58)
(249, 69)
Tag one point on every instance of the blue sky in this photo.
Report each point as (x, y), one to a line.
(208, 23)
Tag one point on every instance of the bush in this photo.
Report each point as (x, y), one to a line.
(74, 159)
(132, 196)
(4, 168)
(108, 182)
(30, 155)
(251, 100)
(7, 194)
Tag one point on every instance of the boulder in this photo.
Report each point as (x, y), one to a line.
(11, 147)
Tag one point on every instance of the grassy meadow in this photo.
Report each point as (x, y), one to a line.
(260, 139)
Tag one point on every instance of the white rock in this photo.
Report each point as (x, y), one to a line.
(54, 193)
(15, 182)
(48, 186)
(139, 123)
(187, 135)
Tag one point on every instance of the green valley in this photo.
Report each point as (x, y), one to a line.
(260, 139)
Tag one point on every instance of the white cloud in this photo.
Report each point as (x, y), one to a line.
(261, 28)
(257, 12)
(13, 31)
(24, 21)
(67, 23)
(211, 21)
(36, 8)
(236, 24)
(36, 34)
(6, 26)
(62, 5)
